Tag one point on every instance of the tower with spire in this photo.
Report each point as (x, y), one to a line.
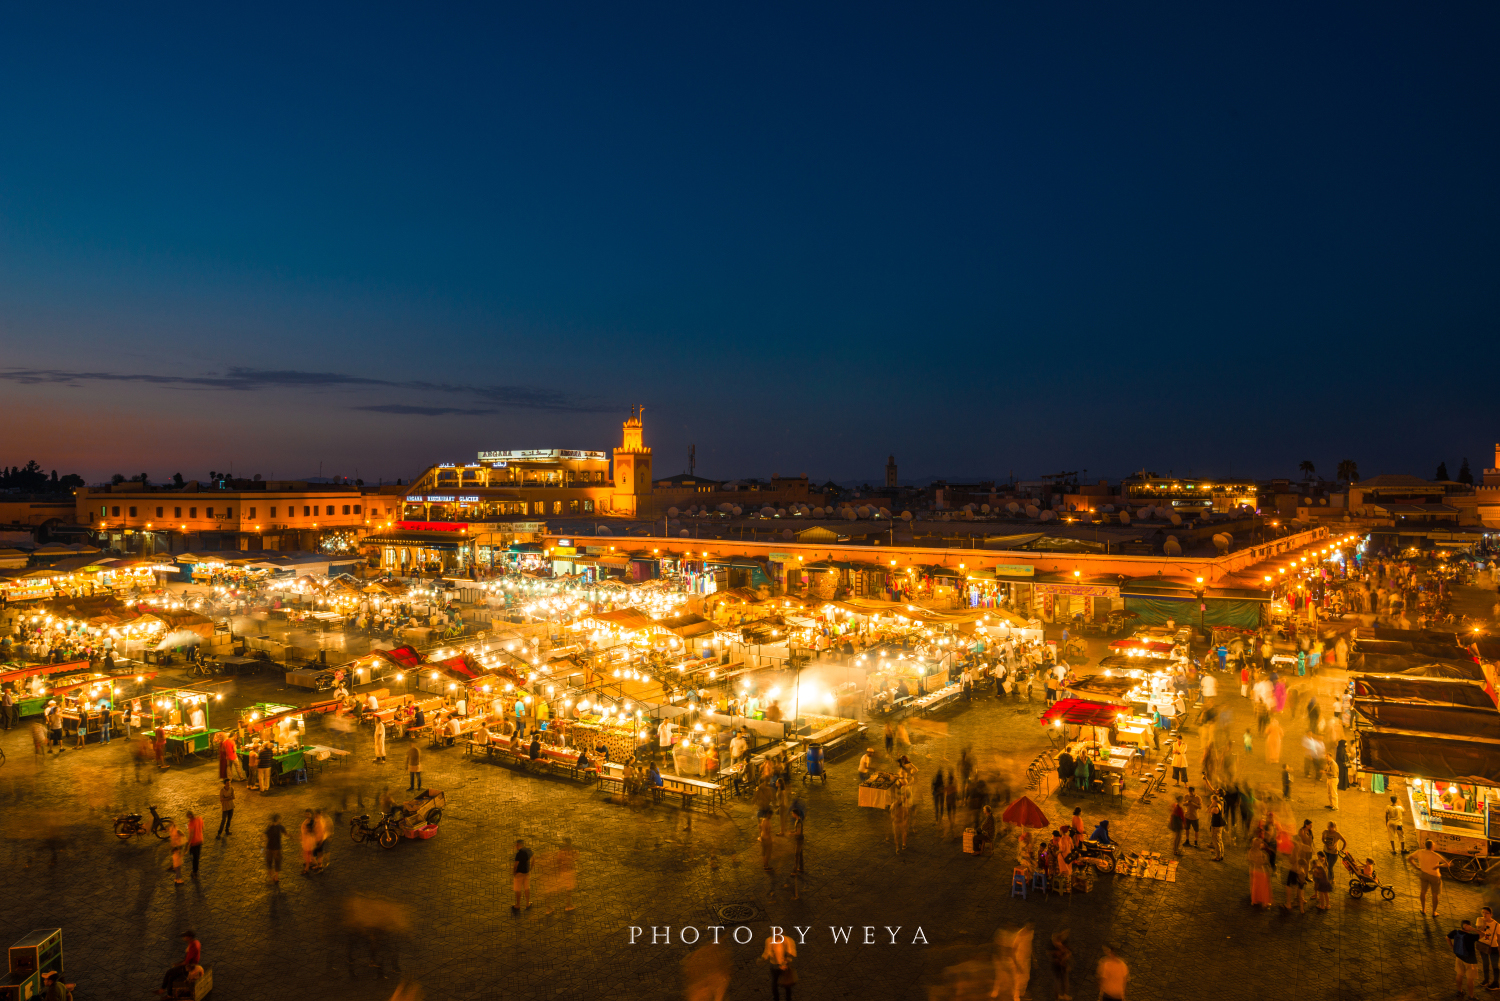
(632, 475)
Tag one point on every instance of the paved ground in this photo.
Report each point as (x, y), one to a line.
(1198, 937)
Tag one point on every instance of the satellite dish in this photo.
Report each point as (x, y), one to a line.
(768, 512)
(849, 514)
(781, 512)
(1176, 519)
(786, 534)
(603, 530)
(737, 511)
(672, 512)
(984, 509)
(863, 510)
(683, 534)
(1172, 548)
(1124, 517)
(1032, 511)
(1108, 509)
(1047, 516)
(906, 516)
(817, 512)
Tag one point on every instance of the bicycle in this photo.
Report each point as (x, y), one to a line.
(1471, 868)
(130, 824)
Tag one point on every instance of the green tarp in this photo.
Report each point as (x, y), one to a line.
(1184, 611)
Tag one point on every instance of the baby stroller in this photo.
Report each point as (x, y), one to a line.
(1359, 885)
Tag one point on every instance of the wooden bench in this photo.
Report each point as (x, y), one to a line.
(612, 777)
(521, 757)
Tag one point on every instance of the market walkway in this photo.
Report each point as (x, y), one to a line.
(119, 909)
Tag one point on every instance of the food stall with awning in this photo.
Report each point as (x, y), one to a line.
(1432, 691)
(1100, 751)
(1451, 781)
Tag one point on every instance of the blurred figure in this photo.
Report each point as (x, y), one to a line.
(562, 875)
(1112, 973)
(376, 925)
(1061, 955)
(705, 973)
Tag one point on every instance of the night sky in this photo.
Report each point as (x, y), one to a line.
(991, 239)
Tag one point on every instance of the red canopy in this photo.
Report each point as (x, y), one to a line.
(1083, 712)
(1025, 813)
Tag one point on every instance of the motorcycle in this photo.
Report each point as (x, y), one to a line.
(384, 833)
(130, 823)
(1099, 854)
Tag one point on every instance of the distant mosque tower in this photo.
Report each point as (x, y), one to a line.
(890, 471)
(632, 479)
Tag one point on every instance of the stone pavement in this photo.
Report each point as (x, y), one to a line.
(119, 909)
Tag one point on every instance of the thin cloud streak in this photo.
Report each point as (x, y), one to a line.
(407, 410)
(239, 379)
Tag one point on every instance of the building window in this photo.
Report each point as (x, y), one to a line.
(556, 507)
(177, 512)
(252, 513)
(229, 512)
(273, 512)
(346, 508)
(114, 512)
(91, 517)
(330, 510)
(132, 512)
(208, 512)
(572, 507)
(306, 510)
(192, 512)
(159, 511)
(588, 507)
(103, 512)
(356, 509)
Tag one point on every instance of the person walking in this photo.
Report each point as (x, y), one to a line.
(159, 747)
(414, 766)
(263, 761)
(1113, 975)
(900, 821)
(1428, 863)
(274, 833)
(1190, 807)
(195, 838)
(1395, 829)
(950, 801)
(1333, 843)
(1489, 949)
(83, 725)
(1274, 736)
(307, 840)
(763, 835)
(1331, 779)
(1179, 763)
(520, 879)
(177, 840)
(1296, 879)
(226, 808)
(380, 741)
(7, 708)
(1463, 940)
(1061, 957)
(1216, 826)
(780, 952)
(1260, 879)
(1175, 824)
(1322, 884)
(937, 796)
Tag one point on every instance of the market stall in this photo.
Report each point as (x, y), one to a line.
(1451, 784)
(182, 715)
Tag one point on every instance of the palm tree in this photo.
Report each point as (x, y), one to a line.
(1348, 471)
(1307, 468)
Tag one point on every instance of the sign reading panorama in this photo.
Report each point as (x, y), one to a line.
(537, 455)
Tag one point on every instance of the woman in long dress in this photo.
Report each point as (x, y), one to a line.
(1274, 733)
(380, 740)
(1260, 881)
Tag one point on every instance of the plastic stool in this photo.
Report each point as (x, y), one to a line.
(1039, 881)
(1018, 883)
(299, 776)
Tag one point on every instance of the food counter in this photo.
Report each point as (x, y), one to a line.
(1134, 731)
(878, 791)
(1457, 818)
(182, 740)
(283, 762)
(932, 700)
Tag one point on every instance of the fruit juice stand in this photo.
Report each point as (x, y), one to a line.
(182, 714)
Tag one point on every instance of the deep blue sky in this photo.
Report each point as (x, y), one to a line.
(988, 238)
